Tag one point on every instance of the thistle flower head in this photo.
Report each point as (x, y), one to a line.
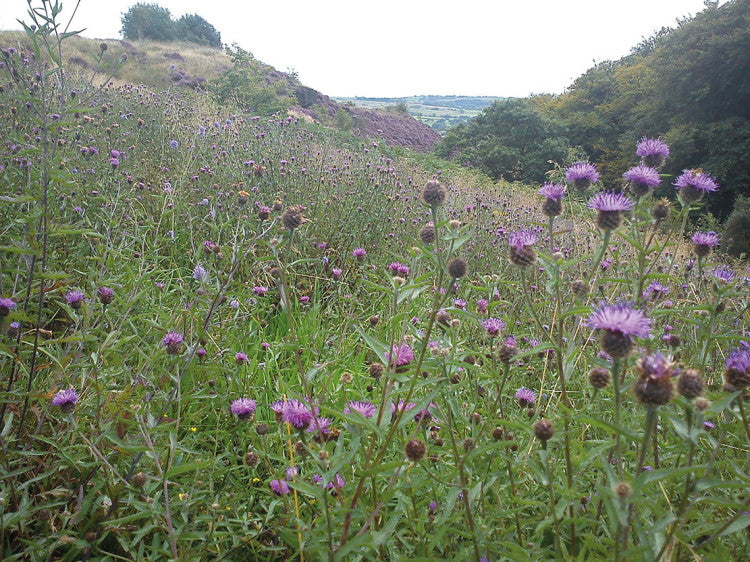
(641, 179)
(737, 373)
(296, 414)
(279, 487)
(65, 400)
(6, 305)
(525, 396)
(554, 191)
(620, 317)
(694, 184)
(172, 341)
(243, 408)
(364, 408)
(522, 239)
(582, 175)
(610, 201)
(652, 147)
(402, 355)
(708, 239)
(654, 387)
(493, 326)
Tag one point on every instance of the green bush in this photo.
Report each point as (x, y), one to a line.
(148, 21)
(735, 240)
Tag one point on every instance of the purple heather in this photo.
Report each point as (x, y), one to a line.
(551, 190)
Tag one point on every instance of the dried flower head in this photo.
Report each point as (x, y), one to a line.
(427, 234)
(457, 268)
(434, 193)
(654, 387)
(599, 377)
(292, 218)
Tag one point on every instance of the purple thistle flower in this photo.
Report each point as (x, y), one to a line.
(321, 426)
(65, 400)
(620, 322)
(652, 147)
(525, 397)
(723, 274)
(554, 191)
(403, 355)
(174, 144)
(244, 408)
(292, 472)
(704, 242)
(610, 201)
(199, 273)
(74, 299)
(401, 406)
(656, 366)
(620, 317)
(693, 185)
(260, 291)
(738, 360)
(296, 414)
(6, 305)
(240, 357)
(582, 175)
(522, 239)
(172, 341)
(279, 487)
(493, 326)
(106, 295)
(642, 179)
(482, 305)
(364, 408)
(708, 425)
(359, 253)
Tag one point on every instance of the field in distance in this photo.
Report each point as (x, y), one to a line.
(439, 112)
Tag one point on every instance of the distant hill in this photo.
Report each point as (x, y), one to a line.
(166, 66)
(439, 112)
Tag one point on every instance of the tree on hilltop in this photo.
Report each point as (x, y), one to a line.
(195, 29)
(148, 21)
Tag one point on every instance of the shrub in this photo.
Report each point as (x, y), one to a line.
(735, 240)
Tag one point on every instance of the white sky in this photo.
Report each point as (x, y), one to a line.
(392, 48)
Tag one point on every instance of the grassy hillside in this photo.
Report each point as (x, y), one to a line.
(233, 336)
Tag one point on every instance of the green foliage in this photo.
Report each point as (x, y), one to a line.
(246, 87)
(511, 139)
(148, 21)
(151, 21)
(194, 29)
(736, 240)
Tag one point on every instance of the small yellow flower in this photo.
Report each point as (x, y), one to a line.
(193, 429)
(182, 496)
(256, 480)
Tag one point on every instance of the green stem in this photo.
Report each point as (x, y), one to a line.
(553, 514)
(616, 387)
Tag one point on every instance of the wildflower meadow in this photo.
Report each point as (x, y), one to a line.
(227, 336)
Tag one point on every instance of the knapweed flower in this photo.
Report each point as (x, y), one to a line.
(620, 323)
(723, 274)
(521, 252)
(66, 400)
(582, 175)
(172, 342)
(243, 408)
(74, 299)
(654, 387)
(641, 179)
(482, 306)
(553, 193)
(240, 357)
(434, 193)
(174, 144)
(279, 487)
(493, 326)
(402, 355)
(296, 414)
(653, 152)
(508, 350)
(6, 305)
(199, 273)
(704, 242)
(365, 409)
(399, 269)
(525, 397)
(737, 372)
(694, 184)
(610, 205)
(359, 253)
(106, 295)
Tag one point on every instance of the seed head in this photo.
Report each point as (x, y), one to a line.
(457, 268)
(415, 450)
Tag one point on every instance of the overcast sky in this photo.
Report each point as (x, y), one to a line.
(391, 48)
